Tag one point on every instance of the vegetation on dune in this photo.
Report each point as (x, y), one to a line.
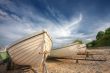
(78, 41)
(102, 39)
(3, 55)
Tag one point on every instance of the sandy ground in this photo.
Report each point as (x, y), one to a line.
(70, 66)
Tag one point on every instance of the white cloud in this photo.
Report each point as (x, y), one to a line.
(62, 32)
(65, 30)
(103, 26)
(2, 13)
(65, 33)
(14, 27)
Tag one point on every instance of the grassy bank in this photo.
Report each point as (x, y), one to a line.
(3, 55)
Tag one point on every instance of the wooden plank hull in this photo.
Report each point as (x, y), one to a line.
(29, 51)
(69, 51)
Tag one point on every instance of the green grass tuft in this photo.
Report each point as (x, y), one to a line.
(3, 55)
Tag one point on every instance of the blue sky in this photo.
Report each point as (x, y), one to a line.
(65, 20)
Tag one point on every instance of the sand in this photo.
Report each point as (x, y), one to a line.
(70, 66)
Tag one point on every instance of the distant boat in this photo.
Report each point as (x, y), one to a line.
(69, 51)
(31, 50)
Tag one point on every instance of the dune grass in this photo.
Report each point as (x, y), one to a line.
(3, 55)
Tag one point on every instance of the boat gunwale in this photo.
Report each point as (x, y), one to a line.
(67, 46)
(28, 37)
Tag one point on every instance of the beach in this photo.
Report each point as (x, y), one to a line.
(70, 66)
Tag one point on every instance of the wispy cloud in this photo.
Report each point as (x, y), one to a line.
(18, 20)
(14, 27)
(65, 32)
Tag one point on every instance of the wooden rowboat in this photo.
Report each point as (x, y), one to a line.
(69, 51)
(31, 50)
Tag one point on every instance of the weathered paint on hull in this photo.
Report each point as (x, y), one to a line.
(69, 51)
(30, 50)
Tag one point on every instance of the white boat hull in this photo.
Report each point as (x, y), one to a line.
(69, 51)
(30, 51)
